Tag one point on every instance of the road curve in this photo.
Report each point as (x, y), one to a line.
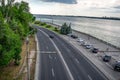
(80, 67)
(51, 67)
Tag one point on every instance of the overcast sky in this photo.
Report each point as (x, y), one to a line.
(76, 7)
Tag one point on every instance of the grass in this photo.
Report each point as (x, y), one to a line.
(52, 28)
(10, 72)
(47, 26)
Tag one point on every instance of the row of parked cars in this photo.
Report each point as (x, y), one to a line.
(105, 58)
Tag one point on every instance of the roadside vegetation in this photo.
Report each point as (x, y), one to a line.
(15, 20)
(64, 29)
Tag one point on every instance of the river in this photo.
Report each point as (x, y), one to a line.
(104, 29)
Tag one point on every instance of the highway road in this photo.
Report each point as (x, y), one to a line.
(80, 67)
(51, 67)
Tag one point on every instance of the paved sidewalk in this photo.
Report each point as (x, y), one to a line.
(96, 59)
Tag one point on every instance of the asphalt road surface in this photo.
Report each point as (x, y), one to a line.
(51, 67)
(80, 67)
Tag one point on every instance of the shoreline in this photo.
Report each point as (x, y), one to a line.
(97, 39)
(88, 36)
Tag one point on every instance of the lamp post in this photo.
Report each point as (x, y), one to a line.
(52, 19)
(27, 58)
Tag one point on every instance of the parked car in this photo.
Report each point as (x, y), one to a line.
(106, 58)
(69, 34)
(80, 40)
(88, 46)
(83, 43)
(117, 66)
(51, 36)
(95, 50)
(74, 36)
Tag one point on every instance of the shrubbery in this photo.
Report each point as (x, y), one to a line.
(43, 24)
(37, 22)
(48, 26)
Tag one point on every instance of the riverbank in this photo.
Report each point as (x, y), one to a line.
(88, 35)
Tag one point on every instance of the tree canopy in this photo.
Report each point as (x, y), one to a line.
(66, 29)
(15, 20)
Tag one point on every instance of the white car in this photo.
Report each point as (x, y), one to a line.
(80, 40)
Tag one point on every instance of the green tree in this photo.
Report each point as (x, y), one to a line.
(15, 20)
(65, 29)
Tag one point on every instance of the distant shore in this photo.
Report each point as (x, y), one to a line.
(51, 16)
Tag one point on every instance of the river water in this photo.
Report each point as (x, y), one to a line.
(107, 30)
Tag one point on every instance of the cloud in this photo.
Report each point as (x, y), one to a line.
(80, 8)
(62, 1)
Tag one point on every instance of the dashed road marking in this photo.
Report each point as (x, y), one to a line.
(90, 77)
(47, 52)
(50, 56)
(47, 48)
(109, 65)
(76, 60)
(53, 74)
(65, 64)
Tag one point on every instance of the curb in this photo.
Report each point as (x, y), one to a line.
(37, 59)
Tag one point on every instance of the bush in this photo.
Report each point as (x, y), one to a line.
(37, 22)
(56, 29)
(48, 26)
(43, 24)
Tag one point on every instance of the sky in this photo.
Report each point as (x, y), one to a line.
(98, 8)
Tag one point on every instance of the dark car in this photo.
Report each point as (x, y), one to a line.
(117, 66)
(51, 36)
(74, 36)
(106, 58)
(95, 50)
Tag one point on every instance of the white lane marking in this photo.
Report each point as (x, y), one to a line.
(50, 56)
(37, 60)
(47, 48)
(109, 65)
(90, 77)
(76, 60)
(59, 53)
(53, 74)
(47, 52)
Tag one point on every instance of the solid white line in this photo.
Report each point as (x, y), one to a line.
(59, 53)
(53, 74)
(76, 60)
(90, 77)
(37, 60)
